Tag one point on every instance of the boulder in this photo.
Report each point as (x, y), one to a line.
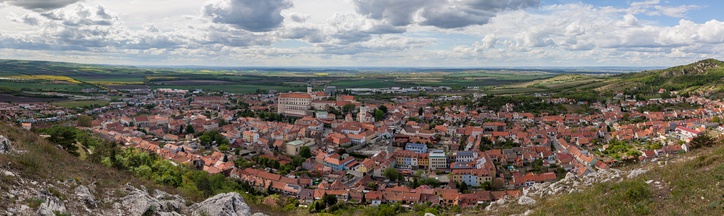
(5, 145)
(525, 200)
(138, 202)
(51, 205)
(88, 198)
(223, 205)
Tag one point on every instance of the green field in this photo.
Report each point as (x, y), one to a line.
(33, 85)
(367, 83)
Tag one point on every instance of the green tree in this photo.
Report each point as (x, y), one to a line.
(393, 174)
(305, 152)
(487, 185)
(348, 108)
(85, 121)
(224, 148)
(702, 140)
(190, 129)
(379, 115)
(63, 136)
(383, 108)
(715, 119)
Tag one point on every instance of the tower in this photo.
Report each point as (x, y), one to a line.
(362, 113)
(309, 87)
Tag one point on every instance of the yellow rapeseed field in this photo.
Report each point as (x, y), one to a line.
(47, 77)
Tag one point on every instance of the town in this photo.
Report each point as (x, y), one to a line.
(443, 151)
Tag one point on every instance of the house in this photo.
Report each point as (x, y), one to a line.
(416, 147)
(295, 146)
(374, 198)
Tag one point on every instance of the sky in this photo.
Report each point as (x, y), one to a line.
(375, 33)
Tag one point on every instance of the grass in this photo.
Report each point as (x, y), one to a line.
(686, 187)
(88, 103)
(40, 85)
(43, 162)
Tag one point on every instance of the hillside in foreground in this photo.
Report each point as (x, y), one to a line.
(39, 178)
(689, 184)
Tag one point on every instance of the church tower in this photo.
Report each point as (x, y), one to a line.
(362, 116)
(309, 87)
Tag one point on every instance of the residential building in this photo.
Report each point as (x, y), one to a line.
(438, 159)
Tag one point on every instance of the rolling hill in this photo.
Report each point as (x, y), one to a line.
(706, 74)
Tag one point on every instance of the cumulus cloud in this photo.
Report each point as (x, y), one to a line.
(41, 5)
(250, 15)
(438, 13)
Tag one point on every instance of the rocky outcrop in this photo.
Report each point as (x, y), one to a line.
(5, 145)
(636, 172)
(51, 205)
(223, 205)
(700, 67)
(88, 199)
(138, 202)
(525, 200)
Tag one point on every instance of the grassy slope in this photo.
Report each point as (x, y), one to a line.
(679, 78)
(43, 162)
(691, 186)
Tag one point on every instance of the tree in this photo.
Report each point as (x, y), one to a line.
(702, 140)
(379, 115)
(715, 119)
(348, 108)
(420, 111)
(85, 121)
(305, 152)
(65, 137)
(383, 108)
(392, 174)
(190, 129)
(485, 144)
(487, 185)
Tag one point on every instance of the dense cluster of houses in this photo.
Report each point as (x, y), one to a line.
(350, 152)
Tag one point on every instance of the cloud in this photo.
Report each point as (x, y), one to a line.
(41, 5)
(250, 15)
(444, 14)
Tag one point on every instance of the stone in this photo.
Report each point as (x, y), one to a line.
(636, 172)
(138, 202)
(222, 204)
(525, 200)
(259, 214)
(50, 205)
(429, 214)
(5, 145)
(8, 173)
(84, 194)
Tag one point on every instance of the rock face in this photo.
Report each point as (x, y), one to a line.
(525, 200)
(86, 196)
(636, 172)
(138, 202)
(222, 205)
(51, 205)
(5, 145)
